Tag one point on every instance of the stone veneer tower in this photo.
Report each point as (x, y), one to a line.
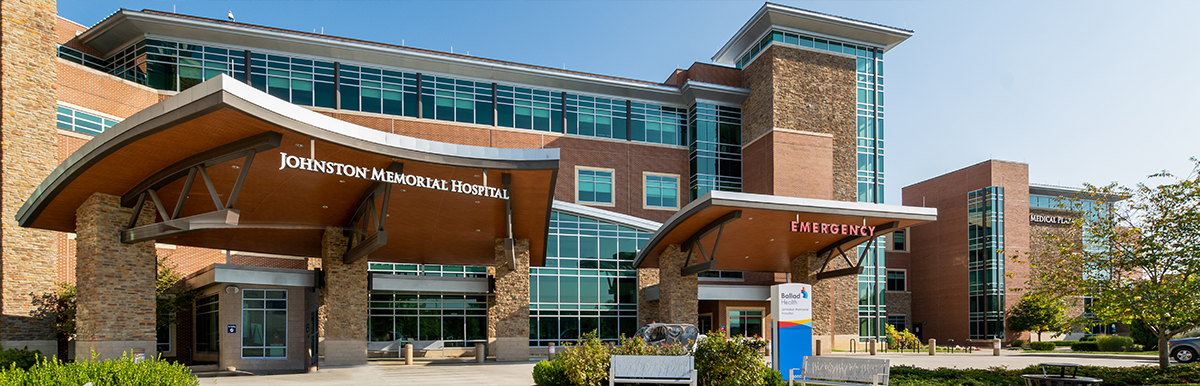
(798, 131)
(27, 132)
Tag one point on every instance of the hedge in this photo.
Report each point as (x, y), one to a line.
(998, 376)
(112, 372)
(1085, 346)
(1042, 346)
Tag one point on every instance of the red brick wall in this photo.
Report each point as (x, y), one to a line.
(937, 274)
(791, 164)
(84, 87)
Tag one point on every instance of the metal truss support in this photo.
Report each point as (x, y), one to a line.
(223, 216)
(849, 242)
(365, 229)
(709, 257)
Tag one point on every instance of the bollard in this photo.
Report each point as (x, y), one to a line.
(995, 347)
(871, 345)
(480, 352)
(932, 346)
(818, 348)
(550, 352)
(408, 354)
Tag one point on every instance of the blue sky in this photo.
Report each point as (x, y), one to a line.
(1081, 91)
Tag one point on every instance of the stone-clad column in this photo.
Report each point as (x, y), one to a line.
(647, 309)
(343, 312)
(115, 282)
(29, 154)
(677, 294)
(508, 311)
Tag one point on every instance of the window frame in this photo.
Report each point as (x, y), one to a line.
(241, 341)
(728, 327)
(891, 241)
(886, 287)
(171, 340)
(612, 185)
(646, 194)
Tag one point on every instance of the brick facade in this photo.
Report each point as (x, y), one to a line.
(937, 273)
(508, 308)
(342, 317)
(27, 81)
(116, 281)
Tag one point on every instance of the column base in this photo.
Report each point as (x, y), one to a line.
(113, 349)
(511, 349)
(49, 348)
(344, 352)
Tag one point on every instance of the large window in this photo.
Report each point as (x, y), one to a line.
(896, 279)
(78, 121)
(456, 319)
(596, 117)
(208, 329)
(588, 283)
(594, 186)
(304, 82)
(457, 100)
(715, 151)
(658, 124)
(746, 322)
(662, 191)
(526, 108)
(264, 323)
(177, 66)
(985, 262)
(428, 270)
(898, 241)
(165, 342)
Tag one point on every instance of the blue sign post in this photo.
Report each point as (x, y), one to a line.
(791, 307)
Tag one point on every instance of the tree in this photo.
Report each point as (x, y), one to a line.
(173, 297)
(1137, 259)
(1038, 312)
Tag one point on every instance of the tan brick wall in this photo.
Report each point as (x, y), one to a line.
(809, 91)
(647, 310)
(116, 300)
(677, 294)
(27, 134)
(508, 308)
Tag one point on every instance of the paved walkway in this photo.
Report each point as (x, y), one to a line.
(383, 373)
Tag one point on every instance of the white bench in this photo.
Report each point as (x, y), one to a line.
(430, 345)
(826, 370)
(678, 369)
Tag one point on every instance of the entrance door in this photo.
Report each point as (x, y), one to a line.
(705, 324)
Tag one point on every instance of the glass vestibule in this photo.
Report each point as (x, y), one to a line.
(459, 320)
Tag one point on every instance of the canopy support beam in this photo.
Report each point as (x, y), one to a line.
(365, 229)
(848, 242)
(694, 242)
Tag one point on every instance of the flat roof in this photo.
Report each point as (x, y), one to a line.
(762, 238)
(821, 24)
(128, 26)
(285, 210)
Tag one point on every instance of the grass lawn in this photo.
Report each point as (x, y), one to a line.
(1151, 353)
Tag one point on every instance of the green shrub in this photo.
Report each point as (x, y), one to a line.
(772, 378)
(1088, 338)
(22, 359)
(996, 376)
(1114, 343)
(1042, 346)
(112, 372)
(550, 373)
(585, 362)
(1064, 343)
(1018, 343)
(1085, 346)
(730, 361)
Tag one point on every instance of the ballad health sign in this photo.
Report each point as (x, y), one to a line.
(382, 175)
(791, 305)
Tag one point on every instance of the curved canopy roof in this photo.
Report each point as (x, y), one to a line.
(284, 210)
(758, 236)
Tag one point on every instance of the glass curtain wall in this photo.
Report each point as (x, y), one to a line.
(459, 320)
(81, 122)
(597, 117)
(985, 262)
(715, 153)
(588, 284)
(176, 66)
(528, 108)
